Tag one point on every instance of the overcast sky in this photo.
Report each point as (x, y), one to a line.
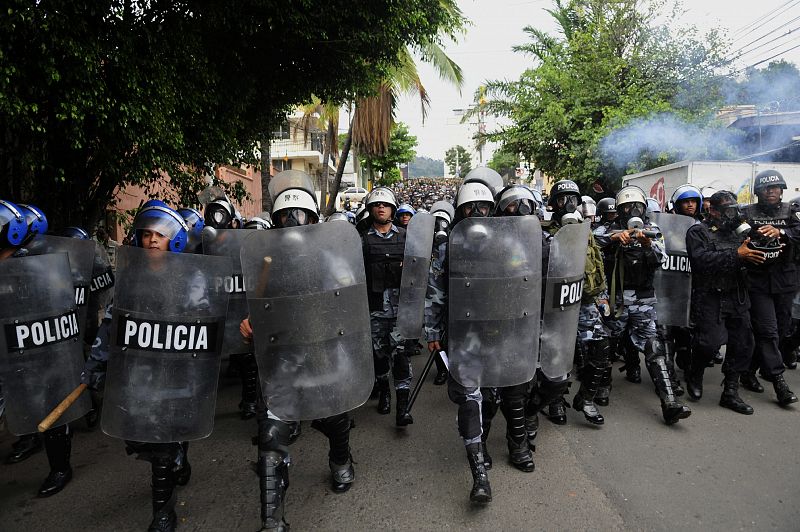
(485, 53)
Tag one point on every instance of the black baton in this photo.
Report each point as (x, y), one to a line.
(421, 380)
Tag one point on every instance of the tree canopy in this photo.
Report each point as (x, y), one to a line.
(612, 62)
(97, 95)
(458, 161)
(401, 149)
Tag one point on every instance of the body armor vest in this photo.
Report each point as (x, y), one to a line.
(720, 240)
(636, 263)
(383, 258)
(759, 216)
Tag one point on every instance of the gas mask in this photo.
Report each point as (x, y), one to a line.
(733, 219)
(478, 209)
(296, 218)
(440, 230)
(629, 211)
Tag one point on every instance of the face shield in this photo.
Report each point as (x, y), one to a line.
(477, 209)
(161, 220)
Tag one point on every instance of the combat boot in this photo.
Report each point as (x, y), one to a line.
(247, 407)
(183, 469)
(694, 375)
(163, 489)
(730, 396)
(671, 409)
(554, 403)
(750, 382)
(785, 395)
(787, 348)
(58, 444)
(519, 451)
(481, 491)
(403, 418)
(25, 447)
(603, 395)
(384, 397)
(584, 399)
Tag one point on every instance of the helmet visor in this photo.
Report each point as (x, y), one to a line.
(160, 220)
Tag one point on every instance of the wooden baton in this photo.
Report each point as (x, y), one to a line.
(61, 408)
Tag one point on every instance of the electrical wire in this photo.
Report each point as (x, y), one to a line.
(755, 24)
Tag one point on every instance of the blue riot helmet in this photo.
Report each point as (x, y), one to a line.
(159, 218)
(194, 220)
(351, 217)
(403, 211)
(686, 193)
(35, 220)
(13, 226)
(75, 232)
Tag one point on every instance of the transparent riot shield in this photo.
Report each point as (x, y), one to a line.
(307, 296)
(81, 260)
(101, 289)
(494, 300)
(228, 243)
(673, 281)
(414, 282)
(166, 338)
(562, 300)
(41, 355)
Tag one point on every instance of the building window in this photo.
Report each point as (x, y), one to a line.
(280, 165)
(282, 132)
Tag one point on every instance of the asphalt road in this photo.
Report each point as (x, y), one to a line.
(717, 470)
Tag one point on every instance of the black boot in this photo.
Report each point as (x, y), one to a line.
(183, 469)
(402, 417)
(481, 491)
(584, 399)
(603, 395)
(785, 395)
(531, 421)
(384, 397)
(163, 488)
(25, 447)
(519, 451)
(489, 407)
(673, 376)
(92, 417)
(750, 382)
(633, 372)
(730, 395)
(787, 348)
(273, 476)
(441, 370)
(58, 444)
(337, 430)
(553, 399)
(694, 375)
(672, 409)
(247, 406)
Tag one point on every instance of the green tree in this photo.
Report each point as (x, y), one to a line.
(612, 62)
(400, 150)
(504, 162)
(103, 94)
(458, 161)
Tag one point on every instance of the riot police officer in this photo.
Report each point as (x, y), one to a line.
(404, 214)
(443, 214)
(384, 244)
(636, 253)
(776, 232)
(607, 211)
(720, 303)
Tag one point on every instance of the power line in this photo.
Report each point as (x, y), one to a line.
(767, 59)
(773, 48)
(755, 24)
(770, 32)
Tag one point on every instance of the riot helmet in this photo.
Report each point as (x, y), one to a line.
(294, 198)
(730, 213)
(487, 176)
(588, 208)
(404, 214)
(766, 180)
(516, 200)
(443, 215)
(362, 219)
(337, 216)
(607, 207)
(13, 224)
(381, 195)
(35, 220)
(75, 232)
(652, 207)
(220, 214)
(156, 216)
(194, 221)
(564, 198)
(257, 222)
(474, 199)
(630, 203)
(683, 197)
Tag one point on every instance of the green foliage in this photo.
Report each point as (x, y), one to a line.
(99, 95)
(612, 62)
(503, 162)
(458, 161)
(400, 150)
(425, 167)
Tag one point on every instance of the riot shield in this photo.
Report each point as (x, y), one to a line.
(796, 307)
(81, 260)
(228, 243)
(673, 281)
(307, 296)
(562, 299)
(494, 300)
(101, 289)
(41, 355)
(414, 282)
(166, 336)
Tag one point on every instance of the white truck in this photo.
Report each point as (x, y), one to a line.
(661, 182)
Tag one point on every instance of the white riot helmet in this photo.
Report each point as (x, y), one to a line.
(487, 176)
(292, 193)
(707, 192)
(477, 195)
(516, 200)
(381, 195)
(631, 203)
